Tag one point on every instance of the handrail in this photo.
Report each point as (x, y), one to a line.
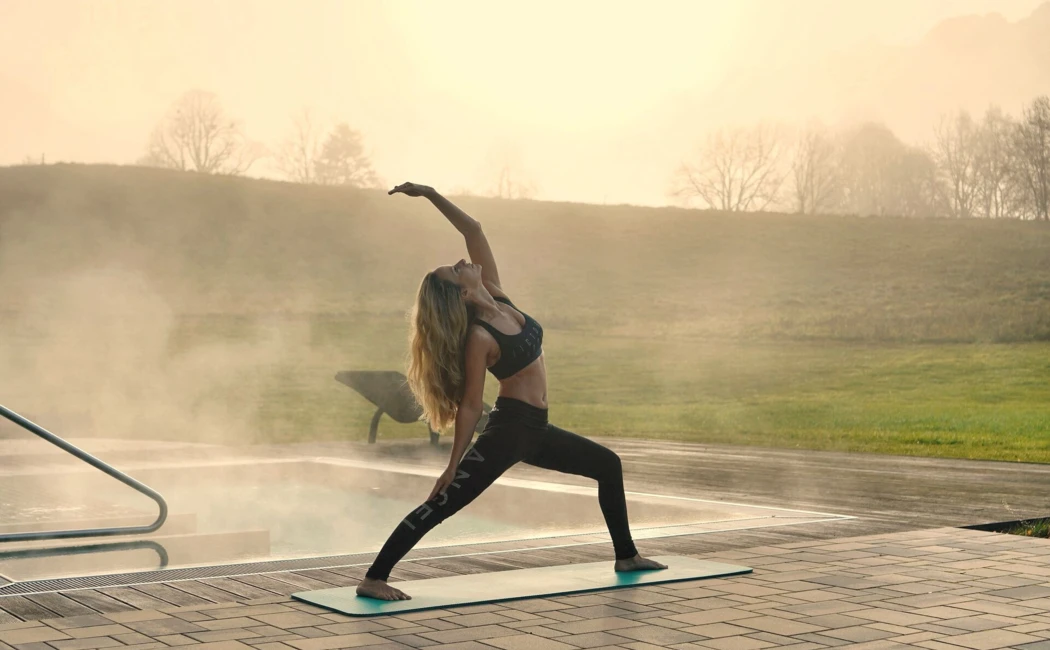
(131, 545)
(94, 462)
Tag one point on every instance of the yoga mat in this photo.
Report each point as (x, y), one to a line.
(472, 589)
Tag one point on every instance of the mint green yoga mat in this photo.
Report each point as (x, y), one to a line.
(450, 591)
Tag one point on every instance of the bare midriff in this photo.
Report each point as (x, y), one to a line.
(528, 384)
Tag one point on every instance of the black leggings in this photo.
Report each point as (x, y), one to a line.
(516, 431)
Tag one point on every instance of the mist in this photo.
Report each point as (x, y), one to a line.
(587, 102)
(877, 297)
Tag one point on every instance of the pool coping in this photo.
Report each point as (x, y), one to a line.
(263, 566)
(928, 588)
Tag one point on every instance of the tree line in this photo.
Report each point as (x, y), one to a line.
(198, 135)
(997, 166)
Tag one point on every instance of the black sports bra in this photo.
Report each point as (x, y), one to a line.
(515, 350)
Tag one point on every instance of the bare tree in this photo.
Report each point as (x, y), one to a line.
(1032, 147)
(198, 135)
(868, 154)
(883, 176)
(343, 160)
(503, 172)
(298, 154)
(736, 170)
(915, 186)
(461, 190)
(956, 152)
(997, 182)
(816, 172)
(511, 183)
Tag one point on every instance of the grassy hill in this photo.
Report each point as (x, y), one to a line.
(139, 300)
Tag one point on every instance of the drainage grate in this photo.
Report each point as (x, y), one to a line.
(337, 561)
(267, 566)
(325, 562)
(172, 575)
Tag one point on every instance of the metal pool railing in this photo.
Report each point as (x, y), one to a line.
(94, 462)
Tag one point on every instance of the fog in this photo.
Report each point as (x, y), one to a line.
(145, 305)
(592, 101)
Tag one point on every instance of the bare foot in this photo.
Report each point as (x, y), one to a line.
(380, 589)
(637, 563)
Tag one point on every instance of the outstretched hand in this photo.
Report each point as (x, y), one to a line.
(412, 189)
(443, 482)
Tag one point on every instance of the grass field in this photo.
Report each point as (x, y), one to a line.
(1032, 528)
(138, 300)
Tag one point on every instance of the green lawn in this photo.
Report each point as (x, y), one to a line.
(961, 400)
(141, 302)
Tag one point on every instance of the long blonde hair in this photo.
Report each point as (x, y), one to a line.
(438, 325)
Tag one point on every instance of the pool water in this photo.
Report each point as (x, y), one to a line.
(308, 519)
(228, 512)
(318, 507)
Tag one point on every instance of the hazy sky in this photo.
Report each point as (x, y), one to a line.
(442, 91)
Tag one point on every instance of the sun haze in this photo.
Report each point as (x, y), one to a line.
(591, 101)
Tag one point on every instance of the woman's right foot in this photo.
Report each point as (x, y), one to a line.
(373, 588)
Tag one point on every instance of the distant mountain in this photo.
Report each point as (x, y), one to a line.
(23, 106)
(969, 62)
(964, 62)
(30, 125)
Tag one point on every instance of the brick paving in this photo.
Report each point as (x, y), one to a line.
(944, 588)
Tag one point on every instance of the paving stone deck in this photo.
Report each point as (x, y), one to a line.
(943, 588)
(899, 575)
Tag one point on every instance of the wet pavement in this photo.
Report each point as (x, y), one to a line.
(898, 574)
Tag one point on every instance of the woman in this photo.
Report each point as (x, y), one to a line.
(462, 324)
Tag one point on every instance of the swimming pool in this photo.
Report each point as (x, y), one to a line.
(229, 512)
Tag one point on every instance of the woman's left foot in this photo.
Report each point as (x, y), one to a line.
(637, 563)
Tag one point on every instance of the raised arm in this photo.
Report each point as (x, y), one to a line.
(477, 244)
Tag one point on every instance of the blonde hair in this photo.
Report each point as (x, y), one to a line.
(438, 326)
